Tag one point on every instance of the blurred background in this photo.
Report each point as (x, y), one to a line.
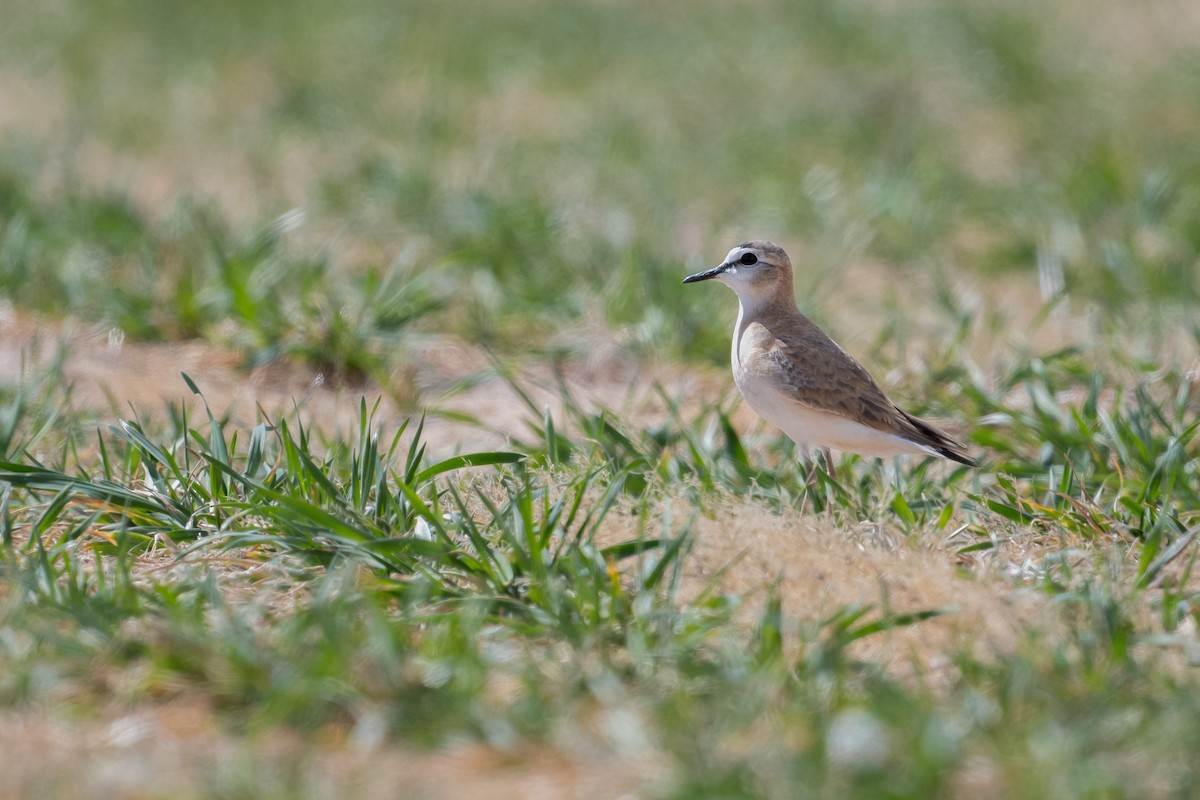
(322, 180)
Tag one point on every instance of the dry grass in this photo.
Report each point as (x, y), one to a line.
(818, 567)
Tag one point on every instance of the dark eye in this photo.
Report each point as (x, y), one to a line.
(748, 259)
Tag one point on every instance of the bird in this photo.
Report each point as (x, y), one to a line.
(798, 379)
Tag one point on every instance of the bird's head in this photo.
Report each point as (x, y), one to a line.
(758, 272)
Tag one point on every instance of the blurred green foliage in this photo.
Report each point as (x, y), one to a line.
(552, 162)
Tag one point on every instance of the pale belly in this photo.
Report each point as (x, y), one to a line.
(810, 428)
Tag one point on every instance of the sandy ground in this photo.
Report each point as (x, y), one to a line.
(121, 378)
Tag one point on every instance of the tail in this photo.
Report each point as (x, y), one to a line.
(939, 442)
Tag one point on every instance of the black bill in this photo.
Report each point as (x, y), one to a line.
(708, 273)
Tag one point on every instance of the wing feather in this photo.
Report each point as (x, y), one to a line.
(813, 371)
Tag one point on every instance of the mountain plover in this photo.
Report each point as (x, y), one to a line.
(798, 379)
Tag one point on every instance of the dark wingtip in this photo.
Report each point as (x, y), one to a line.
(961, 458)
(939, 442)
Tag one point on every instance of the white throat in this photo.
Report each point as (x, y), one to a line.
(751, 307)
(747, 314)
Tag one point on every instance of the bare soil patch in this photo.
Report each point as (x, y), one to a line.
(110, 375)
